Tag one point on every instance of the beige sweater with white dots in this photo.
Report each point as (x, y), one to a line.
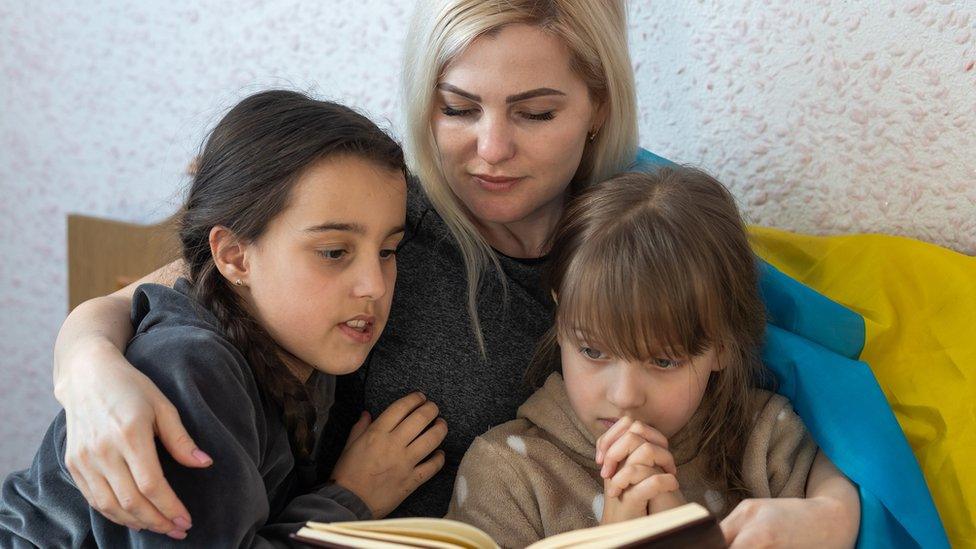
(535, 476)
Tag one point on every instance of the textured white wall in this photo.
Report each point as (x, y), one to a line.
(824, 117)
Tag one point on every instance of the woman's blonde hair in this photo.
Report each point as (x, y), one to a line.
(595, 32)
(660, 263)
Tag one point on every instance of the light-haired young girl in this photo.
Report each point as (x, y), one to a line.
(288, 234)
(649, 380)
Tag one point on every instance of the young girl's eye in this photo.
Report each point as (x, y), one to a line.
(333, 254)
(666, 363)
(450, 111)
(591, 353)
(548, 115)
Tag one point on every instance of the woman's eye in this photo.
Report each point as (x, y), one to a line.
(548, 115)
(388, 253)
(333, 254)
(591, 353)
(449, 111)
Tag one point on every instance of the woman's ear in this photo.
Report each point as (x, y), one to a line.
(229, 254)
(599, 117)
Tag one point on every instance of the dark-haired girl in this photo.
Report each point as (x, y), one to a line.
(289, 235)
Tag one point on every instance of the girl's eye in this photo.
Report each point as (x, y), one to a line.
(591, 353)
(387, 253)
(666, 363)
(449, 111)
(548, 115)
(333, 254)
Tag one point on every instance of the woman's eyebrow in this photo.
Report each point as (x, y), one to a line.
(537, 92)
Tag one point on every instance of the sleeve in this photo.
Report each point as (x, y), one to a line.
(220, 406)
(779, 452)
(329, 503)
(492, 494)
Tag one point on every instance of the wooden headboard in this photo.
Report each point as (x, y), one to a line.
(106, 255)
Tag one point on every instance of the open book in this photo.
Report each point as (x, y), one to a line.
(687, 526)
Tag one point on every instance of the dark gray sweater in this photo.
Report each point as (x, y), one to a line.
(254, 494)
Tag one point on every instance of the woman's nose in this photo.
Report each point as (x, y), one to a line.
(496, 142)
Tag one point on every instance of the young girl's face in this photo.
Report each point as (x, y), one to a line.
(320, 279)
(663, 393)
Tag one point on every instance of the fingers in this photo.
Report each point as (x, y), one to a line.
(745, 527)
(613, 433)
(147, 473)
(175, 439)
(359, 428)
(392, 416)
(626, 445)
(628, 425)
(415, 423)
(655, 456)
(130, 500)
(104, 501)
(427, 469)
(628, 475)
(427, 442)
(652, 487)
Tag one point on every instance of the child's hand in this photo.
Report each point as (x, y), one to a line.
(657, 492)
(638, 471)
(637, 445)
(382, 462)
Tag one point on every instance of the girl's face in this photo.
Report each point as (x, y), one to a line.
(663, 393)
(320, 279)
(510, 122)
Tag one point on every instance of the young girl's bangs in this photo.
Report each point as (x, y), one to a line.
(642, 307)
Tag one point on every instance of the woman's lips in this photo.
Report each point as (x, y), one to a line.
(495, 183)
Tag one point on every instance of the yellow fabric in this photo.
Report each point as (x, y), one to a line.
(918, 302)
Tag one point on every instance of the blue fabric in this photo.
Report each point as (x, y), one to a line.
(812, 349)
(812, 346)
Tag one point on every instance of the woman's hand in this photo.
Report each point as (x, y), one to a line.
(787, 522)
(112, 414)
(829, 516)
(385, 460)
(638, 472)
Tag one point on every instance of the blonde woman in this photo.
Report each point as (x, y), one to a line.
(512, 107)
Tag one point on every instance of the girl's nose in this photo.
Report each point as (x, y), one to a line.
(370, 282)
(625, 390)
(496, 142)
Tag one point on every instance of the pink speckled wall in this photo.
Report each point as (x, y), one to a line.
(824, 117)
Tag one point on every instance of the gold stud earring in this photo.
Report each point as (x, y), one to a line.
(239, 282)
(591, 136)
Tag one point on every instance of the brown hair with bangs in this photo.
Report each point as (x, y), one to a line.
(651, 264)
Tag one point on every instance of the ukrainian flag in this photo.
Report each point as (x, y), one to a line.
(873, 340)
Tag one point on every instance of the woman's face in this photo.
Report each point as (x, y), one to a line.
(510, 121)
(320, 279)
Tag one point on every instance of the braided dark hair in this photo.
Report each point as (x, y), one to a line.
(245, 174)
